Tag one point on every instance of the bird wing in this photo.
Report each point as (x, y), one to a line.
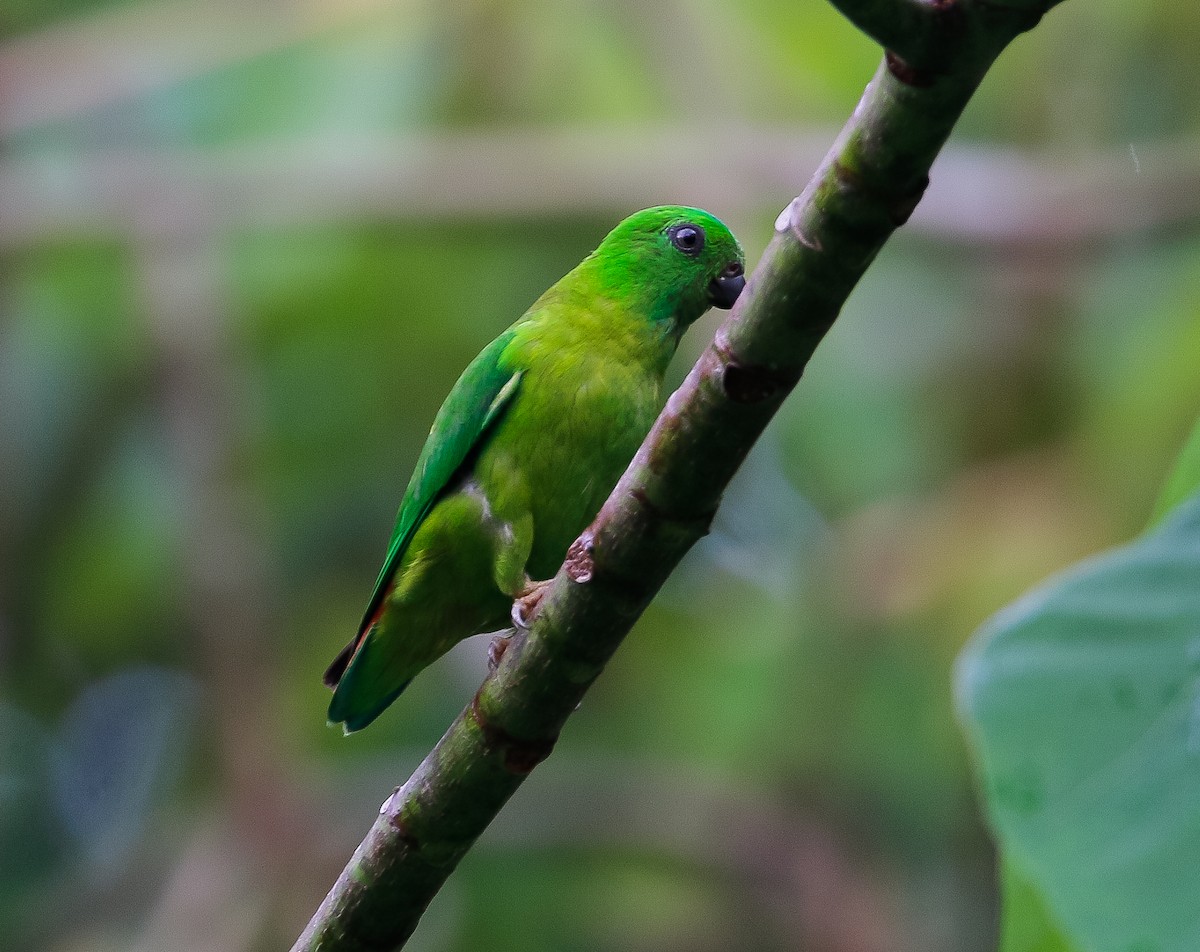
(471, 411)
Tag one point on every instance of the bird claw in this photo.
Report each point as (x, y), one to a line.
(527, 602)
(496, 650)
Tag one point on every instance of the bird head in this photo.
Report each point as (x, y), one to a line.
(676, 261)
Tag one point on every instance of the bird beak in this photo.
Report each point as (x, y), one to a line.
(724, 289)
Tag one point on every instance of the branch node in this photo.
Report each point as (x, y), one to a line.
(742, 382)
(788, 222)
(950, 19)
(383, 807)
(812, 243)
(924, 33)
(901, 209)
(749, 383)
(519, 756)
(1025, 18)
(580, 564)
(910, 76)
(396, 822)
(643, 500)
(846, 175)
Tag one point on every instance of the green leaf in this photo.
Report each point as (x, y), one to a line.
(1184, 479)
(1082, 701)
(1027, 925)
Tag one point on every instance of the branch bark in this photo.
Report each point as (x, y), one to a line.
(867, 186)
(907, 28)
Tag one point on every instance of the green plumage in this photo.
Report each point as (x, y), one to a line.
(529, 443)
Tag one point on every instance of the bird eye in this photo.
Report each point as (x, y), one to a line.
(687, 238)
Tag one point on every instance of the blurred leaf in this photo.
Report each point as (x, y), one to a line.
(872, 416)
(32, 843)
(120, 746)
(765, 533)
(21, 15)
(69, 337)
(1137, 324)
(381, 74)
(119, 551)
(1081, 701)
(791, 57)
(1184, 479)
(1026, 926)
(45, 393)
(595, 900)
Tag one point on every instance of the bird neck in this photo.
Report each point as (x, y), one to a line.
(665, 299)
(610, 320)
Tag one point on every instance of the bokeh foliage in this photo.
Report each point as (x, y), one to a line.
(210, 399)
(1080, 700)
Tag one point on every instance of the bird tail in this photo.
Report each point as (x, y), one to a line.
(337, 667)
(355, 676)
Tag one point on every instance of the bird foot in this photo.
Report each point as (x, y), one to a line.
(496, 651)
(525, 606)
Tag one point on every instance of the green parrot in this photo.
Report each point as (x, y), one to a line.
(529, 444)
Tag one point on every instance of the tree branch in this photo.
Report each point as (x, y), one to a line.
(866, 187)
(924, 38)
(913, 29)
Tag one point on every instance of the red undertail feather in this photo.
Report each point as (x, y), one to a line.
(337, 667)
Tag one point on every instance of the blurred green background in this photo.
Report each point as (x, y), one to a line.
(245, 250)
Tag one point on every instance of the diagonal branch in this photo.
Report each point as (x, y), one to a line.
(866, 187)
